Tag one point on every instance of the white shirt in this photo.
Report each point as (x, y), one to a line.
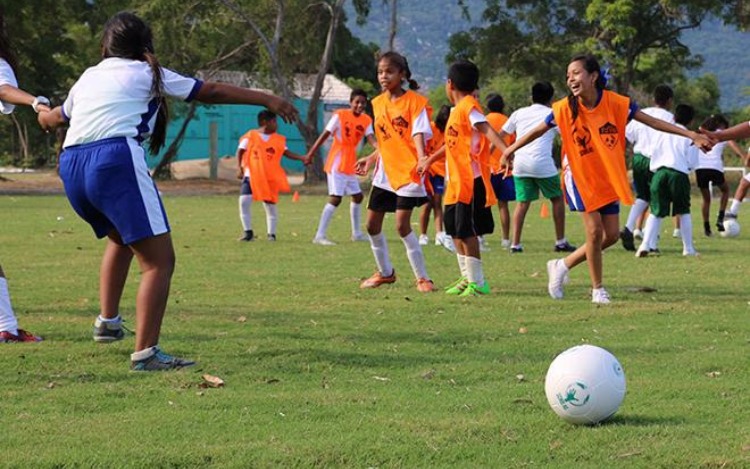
(421, 125)
(713, 159)
(475, 117)
(674, 151)
(113, 99)
(334, 127)
(644, 137)
(7, 77)
(535, 159)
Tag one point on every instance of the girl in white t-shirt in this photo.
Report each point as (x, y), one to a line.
(112, 109)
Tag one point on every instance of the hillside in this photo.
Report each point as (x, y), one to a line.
(424, 33)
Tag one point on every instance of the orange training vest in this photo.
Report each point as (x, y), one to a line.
(393, 127)
(438, 167)
(263, 159)
(595, 146)
(352, 129)
(497, 121)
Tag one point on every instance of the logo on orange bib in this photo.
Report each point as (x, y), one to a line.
(582, 138)
(609, 135)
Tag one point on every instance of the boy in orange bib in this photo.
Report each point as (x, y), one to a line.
(503, 183)
(259, 156)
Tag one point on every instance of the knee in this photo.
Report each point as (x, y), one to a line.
(595, 234)
(335, 201)
(403, 229)
(357, 198)
(610, 237)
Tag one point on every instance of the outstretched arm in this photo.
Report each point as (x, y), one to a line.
(11, 94)
(701, 141)
(50, 120)
(294, 156)
(507, 158)
(311, 152)
(733, 133)
(221, 93)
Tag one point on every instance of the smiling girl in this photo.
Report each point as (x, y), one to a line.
(592, 124)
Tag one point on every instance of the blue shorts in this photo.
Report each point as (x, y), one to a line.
(245, 188)
(575, 202)
(504, 187)
(438, 184)
(108, 184)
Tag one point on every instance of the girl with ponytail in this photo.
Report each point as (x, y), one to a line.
(592, 124)
(113, 108)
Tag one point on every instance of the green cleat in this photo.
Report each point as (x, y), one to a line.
(472, 289)
(457, 287)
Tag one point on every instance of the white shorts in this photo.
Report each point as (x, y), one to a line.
(746, 177)
(341, 185)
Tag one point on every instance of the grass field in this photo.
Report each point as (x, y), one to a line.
(322, 374)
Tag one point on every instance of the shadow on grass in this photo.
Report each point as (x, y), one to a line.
(640, 420)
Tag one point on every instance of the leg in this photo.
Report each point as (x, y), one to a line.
(379, 246)
(113, 273)
(413, 249)
(424, 218)
(504, 219)
(705, 207)
(739, 196)
(325, 219)
(355, 215)
(519, 216)
(272, 217)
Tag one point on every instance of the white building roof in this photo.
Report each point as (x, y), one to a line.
(333, 91)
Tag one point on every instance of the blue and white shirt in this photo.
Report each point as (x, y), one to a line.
(7, 77)
(113, 99)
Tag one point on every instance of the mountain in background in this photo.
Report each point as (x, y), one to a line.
(424, 29)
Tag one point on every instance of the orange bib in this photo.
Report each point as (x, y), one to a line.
(263, 160)
(393, 128)
(595, 146)
(497, 121)
(438, 167)
(352, 129)
(459, 179)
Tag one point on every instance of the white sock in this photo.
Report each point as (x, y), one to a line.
(651, 233)
(325, 220)
(686, 231)
(246, 202)
(561, 241)
(355, 213)
(461, 264)
(734, 209)
(380, 249)
(272, 216)
(117, 318)
(415, 255)
(636, 211)
(144, 354)
(474, 272)
(8, 320)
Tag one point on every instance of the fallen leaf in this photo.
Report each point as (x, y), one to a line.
(242, 319)
(522, 330)
(555, 444)
(627, 455)
(51, 385)
(534, 275)
(713, 374)
(521, 377)
(381, 378)
(428, 374)
(213, 381)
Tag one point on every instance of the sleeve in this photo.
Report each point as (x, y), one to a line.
(243, 144)
(333, 124)
(630, 131)
(510, 125)
(633, 109)
(178, 86)
(7, 77)
(371, 131)
(67, 105)
(550, 120)
(476, 117)
(422, 125)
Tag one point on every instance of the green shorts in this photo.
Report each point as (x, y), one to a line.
(527, 188)
(642, 176)
(670, 186)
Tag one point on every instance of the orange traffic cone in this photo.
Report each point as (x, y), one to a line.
(295, 196)
(544, 212)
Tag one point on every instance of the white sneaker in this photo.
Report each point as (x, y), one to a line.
(637, 234)
(676, 233)
(558, 277)
(323, 242)
(483, 244)
(505, 244)
(424, 240)
(360, 237)
(447, 242)
(600, 296)
(691, 253)
(642, 252)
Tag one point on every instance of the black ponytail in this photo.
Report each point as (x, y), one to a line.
(129, 37)
(591, 65)
(6, 51)
(402, 64)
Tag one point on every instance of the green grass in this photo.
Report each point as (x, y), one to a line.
(322, 374)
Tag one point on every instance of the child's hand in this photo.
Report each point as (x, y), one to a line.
(506, 161)
(422, 166)
(239, 173)
(362, 166)
(705, 140)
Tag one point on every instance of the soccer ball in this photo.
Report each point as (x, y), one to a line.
(731, 228)
(585, 385)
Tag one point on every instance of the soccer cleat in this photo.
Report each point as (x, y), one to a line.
(160, 361)
(323, 242)
(425, 285)
(730, 216)
(377, 279)
(707, 229)
(108, 331)
(272, 237)
(472, 289)
(558, 277)
(483, 244)
(445, 241)
(690, 253)
(248, 236)
(600, 296)
(720, 225)
(505, 244)
(642, 252)
(565, 247)
(676, 233)
(360, 237)
(626, 236)
(22, 336)
(637, 234)
(516, 249)
(457, 287)
(424, 240)
(654, 252)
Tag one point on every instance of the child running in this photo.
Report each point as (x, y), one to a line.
(672, 159)
(112, 108)
(259, 156)
(401, 126)
(347, 126)
(10, 96)
(468, 195)
(592, 124)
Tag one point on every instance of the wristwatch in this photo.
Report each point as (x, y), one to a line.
(37, 101)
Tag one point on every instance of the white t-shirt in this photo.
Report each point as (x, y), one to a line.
(713, 159)
(535, 159)
(422, 126)
(334, 127)
(475, 117)
(113, 99)
(7, 77)
(644, 137)
(674, 151)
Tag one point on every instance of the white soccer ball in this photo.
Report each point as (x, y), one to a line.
(731, 228)
(585, 385)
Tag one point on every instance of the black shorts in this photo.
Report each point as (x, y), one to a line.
(704, 176)
(469, 220)
(245, 188)
(382, 200)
